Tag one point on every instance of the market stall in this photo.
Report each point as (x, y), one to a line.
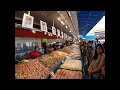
(56, 65)
(51, 31)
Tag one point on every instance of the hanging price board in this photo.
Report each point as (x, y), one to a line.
(53, 30)
(58, 32)
(27, 21)
(43, 26)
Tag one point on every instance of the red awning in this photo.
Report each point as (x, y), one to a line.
(19, 32)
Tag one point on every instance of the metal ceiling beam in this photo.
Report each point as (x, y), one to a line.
(90, 21)
(89, 16)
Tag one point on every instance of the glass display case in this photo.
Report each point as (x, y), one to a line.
(24, 46)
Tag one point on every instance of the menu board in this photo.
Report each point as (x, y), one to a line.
(27, 21)
(43, 26)
(58, 32)
(53, 30)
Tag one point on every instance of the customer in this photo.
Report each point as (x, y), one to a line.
(54, 46)
(84, 52)
(90, 44)
(61, 46)
(48, 49)
(104, 45)
(44, 46)
(35, 54)
(51, 49)
(97, 63)
(103, 72)
(90, 54)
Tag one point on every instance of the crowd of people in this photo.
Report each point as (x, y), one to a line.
(93, 56)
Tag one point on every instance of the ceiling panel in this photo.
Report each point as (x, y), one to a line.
(88, 19)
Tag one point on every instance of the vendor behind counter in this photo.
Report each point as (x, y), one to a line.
(35, 54)
(29, 54)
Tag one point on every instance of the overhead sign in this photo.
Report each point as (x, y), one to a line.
(43, 26)
(58, 32)
(62, 34)
(53, 30)
(66, 36)
(27, 21)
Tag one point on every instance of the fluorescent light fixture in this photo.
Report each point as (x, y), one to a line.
(69, 31)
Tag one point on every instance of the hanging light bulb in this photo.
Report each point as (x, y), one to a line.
(66, 27)
(59, 19)
(45, 33)
(33, 31)
(63, 23)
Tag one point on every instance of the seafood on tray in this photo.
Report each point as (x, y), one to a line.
(67, 74)
(72, 65)
(31, 70)
(48, 61)
(59, 55)
(67, 49)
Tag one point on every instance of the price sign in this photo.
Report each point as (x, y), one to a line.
(53, 30)
(27, 21)
(43, 26)
(58, 32)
